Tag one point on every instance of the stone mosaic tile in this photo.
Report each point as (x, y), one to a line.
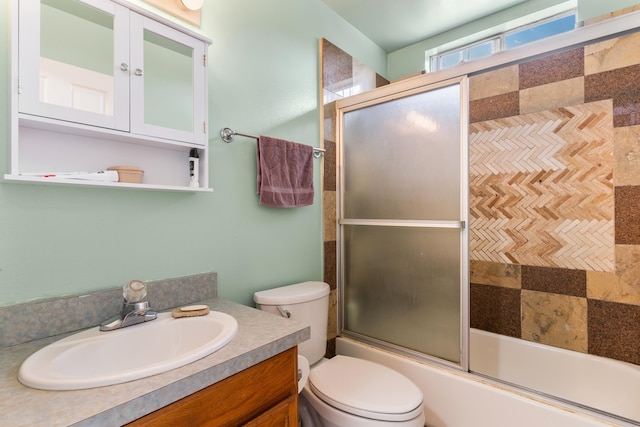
(337, 66)
(555, 280)
(552, 95)
(494, 107)
(332, 326)
(492, 83)
(627, 214)
(330, 265)
(610, 54)
(329, 215)
(557, 320)
(381, 81)
(495, 309)
(628, 270)
(331, 349)
(329, 114)
(540, 188)
(611, 287)
(614, 330)
(622, 86)
(626, 166)
(552, 68)
(329, 164)
(496, 274)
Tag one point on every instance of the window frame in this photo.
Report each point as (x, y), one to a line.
(434, 62)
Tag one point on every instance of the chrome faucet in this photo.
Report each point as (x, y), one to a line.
(133, 310)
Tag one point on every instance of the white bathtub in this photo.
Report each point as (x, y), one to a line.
(597, 382)
(459, 399)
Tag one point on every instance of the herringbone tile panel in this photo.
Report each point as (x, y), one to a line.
(541, 188)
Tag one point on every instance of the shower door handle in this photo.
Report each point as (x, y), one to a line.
(405, 223)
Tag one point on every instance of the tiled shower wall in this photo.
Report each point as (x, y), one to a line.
(554, 198)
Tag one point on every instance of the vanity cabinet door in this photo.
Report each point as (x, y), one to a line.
(284, 414)
(73, 61)
(264, 395)
(168, 93)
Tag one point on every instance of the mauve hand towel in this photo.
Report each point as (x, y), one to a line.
(285, 173)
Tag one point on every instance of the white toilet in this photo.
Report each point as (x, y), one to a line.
(342, 391)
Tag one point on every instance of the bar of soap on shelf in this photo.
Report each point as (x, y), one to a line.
(130, 174)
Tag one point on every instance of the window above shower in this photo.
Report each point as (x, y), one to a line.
(441, 58)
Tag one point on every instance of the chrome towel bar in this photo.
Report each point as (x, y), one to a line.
(227, 134)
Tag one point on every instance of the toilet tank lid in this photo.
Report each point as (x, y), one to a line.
(292, 294)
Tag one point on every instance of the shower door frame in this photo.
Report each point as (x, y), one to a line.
(394, 91)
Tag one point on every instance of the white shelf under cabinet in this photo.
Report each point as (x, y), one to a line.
(50, 146)
(76, 182)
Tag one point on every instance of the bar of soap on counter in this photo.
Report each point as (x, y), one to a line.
(190, 311)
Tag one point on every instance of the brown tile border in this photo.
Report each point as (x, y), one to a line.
(495, 309)
(622, 86)
(552, 68)
(494, 107)
(330, 264)
(337, 64)
(554, 280)
(614, 330)
(627, 215)
(329, 183)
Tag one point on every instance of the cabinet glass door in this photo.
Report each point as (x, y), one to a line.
(167, 98)
(73, 61)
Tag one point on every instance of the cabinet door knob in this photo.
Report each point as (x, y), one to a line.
(124, 66)
(138, 72)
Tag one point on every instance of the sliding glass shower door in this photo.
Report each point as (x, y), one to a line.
(402, 211)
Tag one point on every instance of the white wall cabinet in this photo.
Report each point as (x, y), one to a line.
(99, 83)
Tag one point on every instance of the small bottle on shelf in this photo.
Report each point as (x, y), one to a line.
(194, 168)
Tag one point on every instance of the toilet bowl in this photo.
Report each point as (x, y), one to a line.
(345, 391)
(342, 391)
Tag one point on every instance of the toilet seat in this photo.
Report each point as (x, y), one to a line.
(366, 389)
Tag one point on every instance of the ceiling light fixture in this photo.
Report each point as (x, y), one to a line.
(193, 4)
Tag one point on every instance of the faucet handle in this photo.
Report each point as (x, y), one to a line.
(134, 291)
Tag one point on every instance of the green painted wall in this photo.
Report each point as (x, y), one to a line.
(263, 79)
(410, 60)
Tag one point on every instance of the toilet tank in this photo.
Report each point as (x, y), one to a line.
(307, 302)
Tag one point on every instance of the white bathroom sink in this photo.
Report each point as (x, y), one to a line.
(92, 358)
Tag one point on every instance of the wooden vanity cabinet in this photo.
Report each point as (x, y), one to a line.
(264, 395)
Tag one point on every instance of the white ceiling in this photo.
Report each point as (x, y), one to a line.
(394, 24)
